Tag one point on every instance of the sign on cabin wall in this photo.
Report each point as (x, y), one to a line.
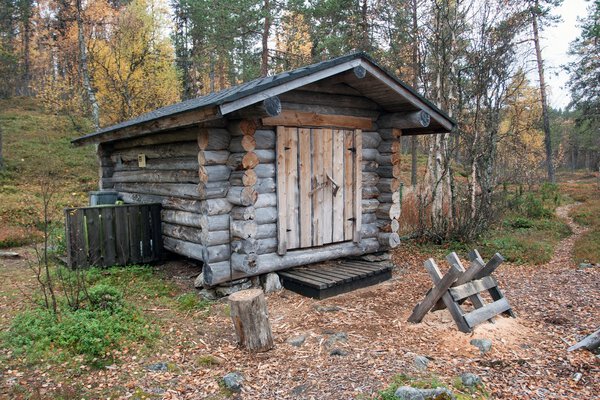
(318, 186)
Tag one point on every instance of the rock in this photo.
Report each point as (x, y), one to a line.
(338, 352)
(255, 281)
(376, 257)
(586, 265)
(8, 254)
(271, 283)
(421, 362)
(158, 367)
(298, 390)
(335, 338)
(327, 308)
(209, 294)
(233, 381)
(297, 341)
(199, 282)
(484, 345)
(223, 291)
(411, 393)
(470, 380)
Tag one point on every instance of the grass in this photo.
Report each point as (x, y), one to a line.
(458, 389)
(587, 192)
(36, 145)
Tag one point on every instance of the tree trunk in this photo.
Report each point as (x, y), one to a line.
(415, 70)
(545, 117)
(264, 66)
(590, 342)
(83, 66)
(1, 155)
(26, 78)
(250, 320)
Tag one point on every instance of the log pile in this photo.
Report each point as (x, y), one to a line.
(388, 170)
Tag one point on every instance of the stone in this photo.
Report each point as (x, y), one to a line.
(158, 367)
(484, 345)
(233, 381)
(586, 265)
(8, 254)
(338, 352)
(208, 294)
(223, 291)
(271, 283)
(376, 257)
(298, 390)
(199, 282)
(297, 341)
(327, 308)
(411, 393)
(335, 338)
(470, 380)
(421, 362)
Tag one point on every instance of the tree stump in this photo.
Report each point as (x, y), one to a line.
(251, 320)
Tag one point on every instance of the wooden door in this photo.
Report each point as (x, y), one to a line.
(318, 186)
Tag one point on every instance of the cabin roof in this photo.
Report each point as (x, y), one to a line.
(243, 95)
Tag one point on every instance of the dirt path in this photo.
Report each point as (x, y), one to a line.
(563, 253)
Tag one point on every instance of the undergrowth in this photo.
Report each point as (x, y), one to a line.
(587, 247)
(460, 391)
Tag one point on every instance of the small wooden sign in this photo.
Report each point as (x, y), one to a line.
(142, 160)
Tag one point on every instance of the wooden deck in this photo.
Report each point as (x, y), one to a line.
(321, 281)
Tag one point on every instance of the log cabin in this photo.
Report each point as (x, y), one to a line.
(285, 170)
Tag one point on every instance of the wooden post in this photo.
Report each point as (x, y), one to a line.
(251, 320)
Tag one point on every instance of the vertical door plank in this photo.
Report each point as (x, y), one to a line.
(92, 216)
(108, 237)
(357, 185)
(281, 191)
(317, 186)
(338, 177)
(328, 188)
(291, 167)
(145, 231)
(157, 246)
(135, 234)
(348, 185)
(305, 187)
(122, 234)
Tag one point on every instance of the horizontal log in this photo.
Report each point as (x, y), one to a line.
(158, 151)
(213, 139)
(183, 190)
(241, 263)
(265, 170)
(389, 239)
(369, 231)
(388, 185)
(389, 171)
(153, 176)
(325, 99)
(204, 222)
(389, 133)
(244, 246)
(369, 205)
(370, 154)
(272, 262)
(213, 173)
(245, 177)
(242, 144)
(242, 127)
(389, 197)
(404, 120)
(265, 139)
(215, 206)
(266, 245)
(238, 161)
(269, 107)
(167, 164)
(388, 159)
(266, 200)
(214, 238)
(265, 231)
(300, 118)
(370, 179)
(213, 190)
(180, 135)
(265, 156)
(389, 146)
(266, 215)
(371, 140)
(242, 195)
(243, 213)
(217, 253)
(265, 185)
(182, 232)
(318, 109)
(388, 210)
(370, 192)
(184, 248)
(369, 218)
(369, 166)
(243, 229)
(168, 202)
(213, 157)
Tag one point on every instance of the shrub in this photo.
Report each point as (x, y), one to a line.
(534, 207)
(105, 297)
(519, 223)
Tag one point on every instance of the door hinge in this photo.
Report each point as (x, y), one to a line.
(288, 230)
(352, 149)
(286, 148)
(352, 219)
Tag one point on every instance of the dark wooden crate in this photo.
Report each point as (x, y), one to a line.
(321, 281)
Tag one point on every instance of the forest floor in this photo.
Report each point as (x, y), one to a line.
(555, 303)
